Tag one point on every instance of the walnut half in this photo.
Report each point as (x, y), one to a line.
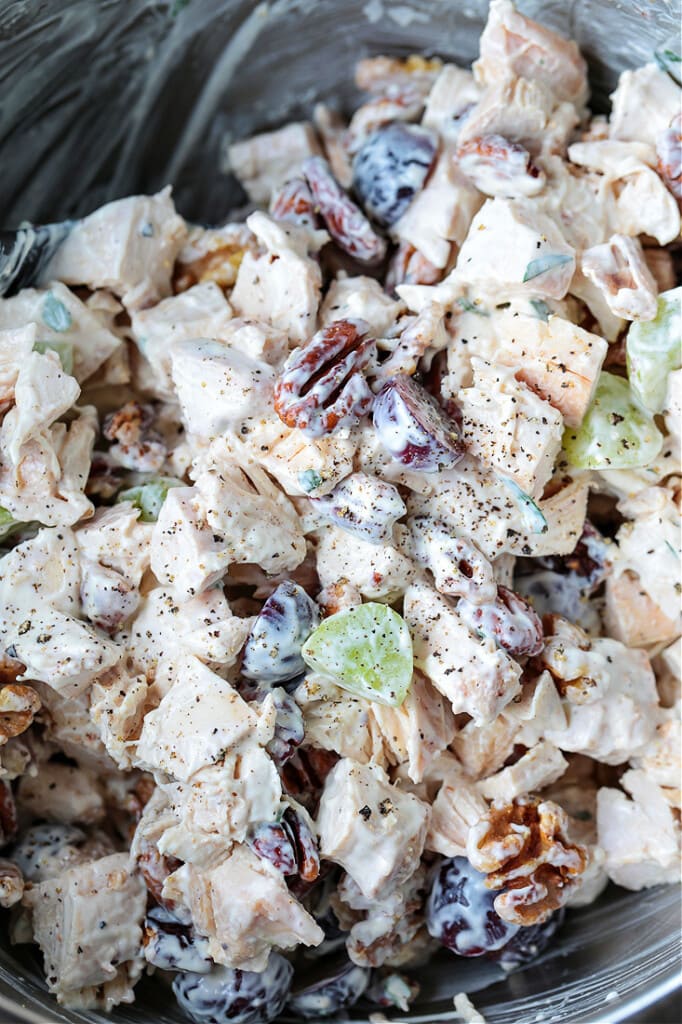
(18, 706)
(523, 849)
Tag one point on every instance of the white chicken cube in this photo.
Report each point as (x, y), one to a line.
(458, 805)
(476, 676)
(513, 43)
(244, 908)
(200, 312)
(87, 922)
(256, 520)
(449, 103)
(510, 428)
(537, 768)
(63, 793)
(441, 213)
(184, 550)
(375, 831)
(639, 833)
(63, 321)
(515, 108)
(116, 538)
(514, 250)
(42, 393)
(558, 359)
(264, 162)
(128, 246)
(219, 388)
(281, 287)
(39, 602)
(379, 572)
(360, 298)
(199, 719)
(643, 105)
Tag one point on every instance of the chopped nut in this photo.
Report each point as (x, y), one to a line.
(18, 706)
(523, 849)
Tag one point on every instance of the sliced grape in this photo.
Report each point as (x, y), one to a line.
(64, 350)
(653, 349)
(615, 433)
(150, 496)
(366, 650)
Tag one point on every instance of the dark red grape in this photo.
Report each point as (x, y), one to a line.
(509, 620)
(363, 505)
(413, 428)
(173, 946)
(229, 996)
(271, 841)
(391, 167)
(529, 943)
(460, 912)
(334, 992)
(289, 727)
(272, 652)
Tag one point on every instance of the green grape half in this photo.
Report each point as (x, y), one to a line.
(366, 650)
(150, 496)
(615, 433)
(654, 348)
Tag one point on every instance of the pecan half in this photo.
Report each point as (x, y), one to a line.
(11, 883)
(322, 385)
(499, 167)
(18, 706)
(409, 266)
(136, 446)
(523, 849)
(293, 202)
(345, 221)
(155, 868)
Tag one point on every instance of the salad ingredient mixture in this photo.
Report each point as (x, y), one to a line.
(340, 547)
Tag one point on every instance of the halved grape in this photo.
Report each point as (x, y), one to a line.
(64, 350)
(615, 433)
(366, 650)
(150, 496)
(652, 348)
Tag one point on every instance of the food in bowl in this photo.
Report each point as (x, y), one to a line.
(340, 584)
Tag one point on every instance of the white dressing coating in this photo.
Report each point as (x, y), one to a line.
(172, 536)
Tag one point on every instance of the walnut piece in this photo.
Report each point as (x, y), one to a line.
(18, 706)
(523, 849)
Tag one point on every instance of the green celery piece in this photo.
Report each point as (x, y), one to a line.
(653, 348)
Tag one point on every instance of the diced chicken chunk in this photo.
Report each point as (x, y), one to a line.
(419, 730)
(219, 388)
(372, 829)
(379, 572)
(360, 298)
(200, 312)
(510, 428)
(128, 246)
(539, 767)
(514, 250)
(450, 102)
(264, 162)
(476, 676)
(87, 922)
(521, 111)
(643, 105)
(184, 550)
(281, 287)
(459, 804)
(64, 323)
(244, 908)
(639, 833)
(62, 793)
(557, 359)
(200, 718)
(513, 43)
(441, 213)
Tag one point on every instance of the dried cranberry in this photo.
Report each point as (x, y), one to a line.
(509, 620)
(230, 996)
(272, 653)
(460, 912)
(391, 167)
(413, 428)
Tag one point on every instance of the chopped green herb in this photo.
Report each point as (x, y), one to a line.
(673, 549)
(309, 480)
(8, 524)
(533, 518)
(55, 314)
(541, 308)
(64, 350)
(544, 263)
(472, 307)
